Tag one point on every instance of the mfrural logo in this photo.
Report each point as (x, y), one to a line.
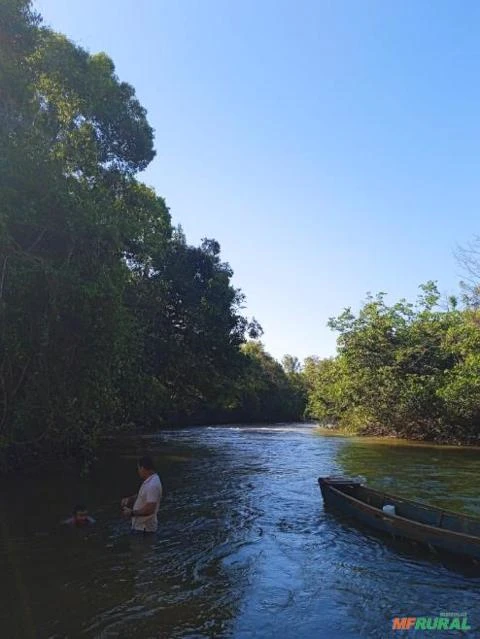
(445, 621)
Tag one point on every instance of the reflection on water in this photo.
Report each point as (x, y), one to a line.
(245, 548)
(444, 476)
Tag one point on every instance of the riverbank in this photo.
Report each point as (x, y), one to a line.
(381, 435)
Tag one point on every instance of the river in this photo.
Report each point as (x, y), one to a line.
(245, 548)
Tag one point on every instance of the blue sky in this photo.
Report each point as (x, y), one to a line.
(331, 147)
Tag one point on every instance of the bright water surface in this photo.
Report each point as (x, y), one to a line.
(245, 548)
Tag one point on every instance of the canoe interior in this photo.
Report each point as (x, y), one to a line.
(414, 511)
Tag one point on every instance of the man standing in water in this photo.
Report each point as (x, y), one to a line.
(146, 503)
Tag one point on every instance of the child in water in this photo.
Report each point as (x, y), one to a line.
(79, 518)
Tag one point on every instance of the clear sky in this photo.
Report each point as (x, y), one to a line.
(331, 147)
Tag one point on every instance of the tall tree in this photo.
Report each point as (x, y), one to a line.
(72, 137)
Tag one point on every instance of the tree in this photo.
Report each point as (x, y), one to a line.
(291, 364)
(108, 317)
(468, 258)
(408, 369)
(192, 326)
(72, 137)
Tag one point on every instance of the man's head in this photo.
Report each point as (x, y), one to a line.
(145, 466)
(80, 515)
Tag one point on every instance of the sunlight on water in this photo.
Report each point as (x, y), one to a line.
(245, 548)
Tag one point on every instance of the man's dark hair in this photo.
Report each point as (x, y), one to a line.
(79, 508)
(146, 462)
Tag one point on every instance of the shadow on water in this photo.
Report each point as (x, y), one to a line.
(102, 581)
(408, 550)
(245, 547)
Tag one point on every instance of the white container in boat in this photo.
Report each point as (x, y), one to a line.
(389, 509)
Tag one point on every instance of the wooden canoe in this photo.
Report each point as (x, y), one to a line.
(436, 528)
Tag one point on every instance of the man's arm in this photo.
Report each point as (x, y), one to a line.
(153, 495)
(128, 501)
(144, 511)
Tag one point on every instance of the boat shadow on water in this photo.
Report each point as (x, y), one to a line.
(413, 529)
(406, 550)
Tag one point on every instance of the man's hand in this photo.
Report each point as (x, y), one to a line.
(128, 501)
(144, 511)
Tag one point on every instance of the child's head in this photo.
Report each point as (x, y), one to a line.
(80, 515)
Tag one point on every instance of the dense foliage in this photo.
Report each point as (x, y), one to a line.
(109, 319)
(409, 369)
(107, 316)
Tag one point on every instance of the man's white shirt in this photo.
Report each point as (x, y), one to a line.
(150, 492)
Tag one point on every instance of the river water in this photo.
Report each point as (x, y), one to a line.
(245, 548)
